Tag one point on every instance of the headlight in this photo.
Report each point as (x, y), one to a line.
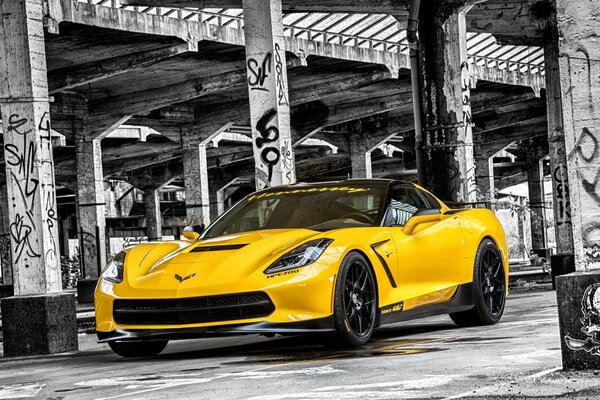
(113, 272)
(302, 255)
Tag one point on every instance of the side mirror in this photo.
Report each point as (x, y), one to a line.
(421, 217)
(192, 232)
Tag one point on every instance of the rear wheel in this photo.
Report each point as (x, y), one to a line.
(489, 288)
(138, 349)
(355, 302)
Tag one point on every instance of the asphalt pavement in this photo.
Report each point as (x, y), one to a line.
(429, 358)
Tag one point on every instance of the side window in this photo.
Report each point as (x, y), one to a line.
(406, 201)
(433, 203)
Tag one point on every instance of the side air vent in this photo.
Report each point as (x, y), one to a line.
(224, 247)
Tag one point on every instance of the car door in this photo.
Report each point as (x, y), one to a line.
(428, 258)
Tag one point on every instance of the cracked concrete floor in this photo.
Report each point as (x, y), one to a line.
(429, 358)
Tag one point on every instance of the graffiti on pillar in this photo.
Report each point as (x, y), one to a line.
(587, 150)
(561, 188)
(21, 155)
(279, 73)
(266, 142)
(590, 308)
(465, 85)
(587, 146)
(51, 255)
(258, 72)
(5, 250)
(20, 231)
(287, 160)
(591, 241)
(45, 132)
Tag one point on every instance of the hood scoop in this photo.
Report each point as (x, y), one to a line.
(224, 247)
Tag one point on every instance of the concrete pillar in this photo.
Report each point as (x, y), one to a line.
(153, 214)
(578, 294)
(360, 157)
(90, 204)
(39, 319)
(268, 90)
(535, 182)
(484, 175)
(579, 66)
(195, 141)
(5, 253)
(447, 103)
(556, 140)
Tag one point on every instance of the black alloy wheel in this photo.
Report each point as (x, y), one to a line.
(489, 288)
(492, 281)
(355, 308)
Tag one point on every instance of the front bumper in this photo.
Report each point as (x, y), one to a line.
(320, 325)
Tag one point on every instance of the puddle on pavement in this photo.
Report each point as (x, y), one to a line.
(301, 354)
(479, 339)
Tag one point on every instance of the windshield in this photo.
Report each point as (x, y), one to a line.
(316, 208)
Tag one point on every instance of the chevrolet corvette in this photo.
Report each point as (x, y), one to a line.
(337, 258)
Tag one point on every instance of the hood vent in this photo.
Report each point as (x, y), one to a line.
(203, 249)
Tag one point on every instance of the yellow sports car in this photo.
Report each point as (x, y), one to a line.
(340, 258)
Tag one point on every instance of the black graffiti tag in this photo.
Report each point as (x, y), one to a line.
(590, 187)
(259, 72)
(586, 136)
(20, 232)
(282, 97)
(562, 195)
(44, 126)
(24, 159)
(269, 155)
(15, 123)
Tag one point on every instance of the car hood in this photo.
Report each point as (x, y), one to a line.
(210, 262)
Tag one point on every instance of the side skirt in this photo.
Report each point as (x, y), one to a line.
(462, 300)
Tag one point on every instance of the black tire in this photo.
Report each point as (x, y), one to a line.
(138, 349)
(489, 288)
(355, 303)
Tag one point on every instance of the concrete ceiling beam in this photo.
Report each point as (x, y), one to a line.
(151, 99)
(516, 23)
(398, 7)
(83, 74)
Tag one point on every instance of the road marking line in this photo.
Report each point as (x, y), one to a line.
(20, 391)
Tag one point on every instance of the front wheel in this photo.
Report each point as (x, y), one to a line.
(489, 288)
(138, 349)
(355, 302)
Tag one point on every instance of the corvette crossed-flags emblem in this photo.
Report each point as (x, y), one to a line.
(184, 278)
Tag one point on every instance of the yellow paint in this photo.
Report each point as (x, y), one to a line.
(427, 265)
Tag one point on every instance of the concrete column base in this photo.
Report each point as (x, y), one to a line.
(561, 264)
(578, 296)
(39, 324)
(6, 291)
(85, 290)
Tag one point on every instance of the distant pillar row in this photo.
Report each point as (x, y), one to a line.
(535, 182)
(153, 214)
(484, 175)
(90, 202)
(268, 93)
(446, 98)
(360, 157)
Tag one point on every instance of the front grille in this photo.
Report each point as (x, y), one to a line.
(193, 310)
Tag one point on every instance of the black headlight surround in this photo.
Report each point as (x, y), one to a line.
(301, 256)
(113, 272)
